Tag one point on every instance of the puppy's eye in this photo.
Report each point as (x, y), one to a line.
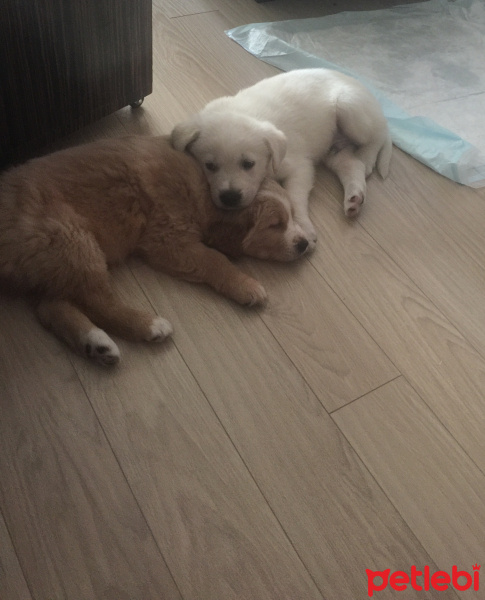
(276, 224)
(247, 165)
(212, 167)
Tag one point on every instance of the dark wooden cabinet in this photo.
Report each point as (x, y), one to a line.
(66, 63)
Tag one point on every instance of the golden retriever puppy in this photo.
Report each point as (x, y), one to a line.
(65, 217)
(282, 127)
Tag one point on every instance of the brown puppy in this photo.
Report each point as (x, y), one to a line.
(67, 216)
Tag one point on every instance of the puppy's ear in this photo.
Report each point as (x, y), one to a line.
(270, 213)
(275, 141)
(184, 134)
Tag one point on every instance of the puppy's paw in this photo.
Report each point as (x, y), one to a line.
(159, 330)
(353, 205)
(98, 346)
(253, 293)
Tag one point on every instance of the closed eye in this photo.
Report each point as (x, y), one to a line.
(212, 167)
(277, 225)
(247, 165)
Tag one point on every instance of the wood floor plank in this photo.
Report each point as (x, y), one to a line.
(332, 351)
(185, 75)
(446, 228)
(336, 517)
(181, 8)
(212, 451)
(72, 517)
(194, 62)
(420, 341)
(220, 539)
(157, 116)
(455, 208)
(428, 477)
(208, 66)
(12, 582)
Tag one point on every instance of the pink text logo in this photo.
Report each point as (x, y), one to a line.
(423, 580)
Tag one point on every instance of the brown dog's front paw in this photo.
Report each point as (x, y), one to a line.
(252, 293)
(159, 330)
(97, 345)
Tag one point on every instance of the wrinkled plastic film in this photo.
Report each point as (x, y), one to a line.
(422, 61)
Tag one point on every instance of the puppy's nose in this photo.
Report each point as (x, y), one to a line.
(301, 245)
(230, 198)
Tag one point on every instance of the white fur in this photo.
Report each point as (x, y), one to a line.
(284, 125)
(97, 345)
(160, 329)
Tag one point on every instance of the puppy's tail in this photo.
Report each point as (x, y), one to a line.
(384, 157)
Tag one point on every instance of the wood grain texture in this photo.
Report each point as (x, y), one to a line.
(12, 583)
(182, 8)
(71, 515)
(422, 469)
(213, 65)
(208, 468)
(452, 245)
(209, 518)
(422, 343)
(186, 77)
(324, 340)
(337, 519)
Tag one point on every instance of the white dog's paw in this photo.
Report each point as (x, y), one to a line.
(160, 329)
(353, 205)
(98, 346)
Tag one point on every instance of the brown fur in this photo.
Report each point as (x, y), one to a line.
(66, 217)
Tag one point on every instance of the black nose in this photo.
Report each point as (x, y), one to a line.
(230, 198)
(301, 245)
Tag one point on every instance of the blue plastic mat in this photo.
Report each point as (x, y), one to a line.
(420, 60)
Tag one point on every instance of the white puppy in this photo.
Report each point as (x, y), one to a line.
(281, 127)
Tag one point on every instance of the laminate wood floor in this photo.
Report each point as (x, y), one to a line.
(272, 454)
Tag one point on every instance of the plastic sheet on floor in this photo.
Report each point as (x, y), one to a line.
(425, 63)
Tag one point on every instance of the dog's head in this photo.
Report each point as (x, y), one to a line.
(237, 152)
(274, 235)
(265, 229)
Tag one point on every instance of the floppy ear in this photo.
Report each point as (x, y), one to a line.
(185, 134)
(269, 213)
(275, 141)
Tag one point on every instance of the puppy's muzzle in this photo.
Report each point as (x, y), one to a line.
(230, 198)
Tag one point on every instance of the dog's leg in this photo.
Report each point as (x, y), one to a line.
(298, 182)
(352, 172)
(109, 312)
(72, 267)
(367, 154)
(72, 326)
(202, 264)
(364, 126)
(85, 280)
